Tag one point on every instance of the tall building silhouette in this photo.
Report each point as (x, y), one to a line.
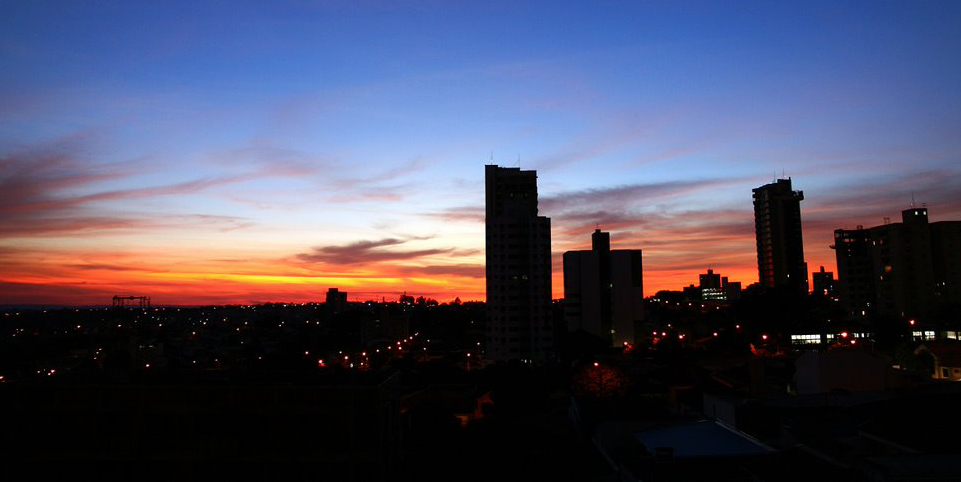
(518, 267)
(780, 247)
(899, 269)
(604, 290)
(714, 287)
(856, 290)
(336, 300)
(823, 283)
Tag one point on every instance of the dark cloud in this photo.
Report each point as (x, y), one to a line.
(368, 252)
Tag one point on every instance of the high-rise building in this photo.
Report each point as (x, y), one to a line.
(855, 270)
(946, 260)
(899, 269)
(780, 246)
(519, 322)
(604, 290)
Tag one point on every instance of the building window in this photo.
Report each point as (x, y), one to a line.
(805, 339)
(945, 373)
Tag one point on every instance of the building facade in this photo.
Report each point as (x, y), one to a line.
(780, 246)
(604, 290)
(904, 269)
(823, 283)
(518, 271)
(336, 301)
(855, 270)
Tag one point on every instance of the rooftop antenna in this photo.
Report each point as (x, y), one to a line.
(912, 199)
(492, 157)
(518, 160)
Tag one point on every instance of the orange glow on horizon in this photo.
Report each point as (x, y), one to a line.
(174, 277)
(56, 283)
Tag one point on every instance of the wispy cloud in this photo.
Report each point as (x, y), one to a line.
(600, 140)
(465, 270)
(628, 194)
(368, 252)
(133, 222)
(471, 214)
(108, 267)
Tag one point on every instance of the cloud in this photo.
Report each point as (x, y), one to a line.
(96, 225)
(575, 223)
(614, 135)
(463, 269)
(52, 189)
(37, 183)
(272, 161)
(619, 196)
(472, 214)
(107, 267)
(368, 252)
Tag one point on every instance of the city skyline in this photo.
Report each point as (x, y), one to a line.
(200, 154)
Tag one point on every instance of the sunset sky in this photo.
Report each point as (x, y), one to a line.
(235, 152)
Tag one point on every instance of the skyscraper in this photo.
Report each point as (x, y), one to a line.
(780, 247)
(518, 267)
(604, 290)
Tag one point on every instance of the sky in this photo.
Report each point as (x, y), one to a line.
(245, 152)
